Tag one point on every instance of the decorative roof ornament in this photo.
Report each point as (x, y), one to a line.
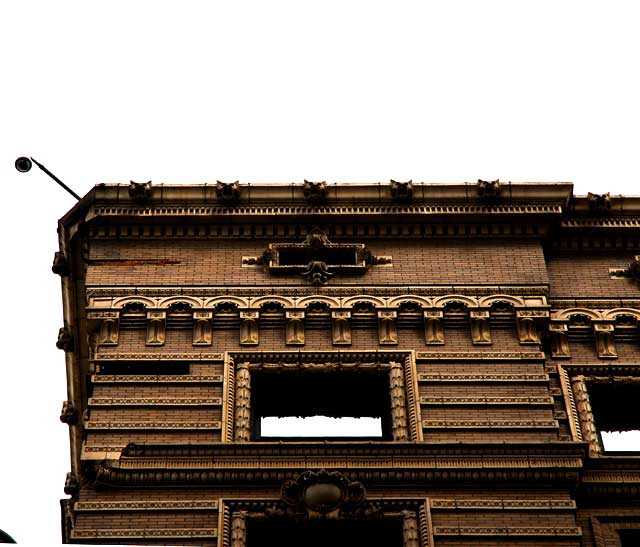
(315, 192)
(401, 191)
(322, 494)
(228, 192)
(599, 203)
(140, 191)
(489, 189)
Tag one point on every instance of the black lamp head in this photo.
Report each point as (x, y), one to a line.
(23, 164)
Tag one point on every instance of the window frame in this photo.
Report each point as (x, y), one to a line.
(576, 381)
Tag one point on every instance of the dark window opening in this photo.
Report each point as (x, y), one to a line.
(308, 394)
(301, 256)
(153, 367)
(381, 532)
(630, 537)
(615, 411)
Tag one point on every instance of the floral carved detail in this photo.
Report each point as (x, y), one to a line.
(322, 494)
(228, 192)
(317, 273)
(315, 192)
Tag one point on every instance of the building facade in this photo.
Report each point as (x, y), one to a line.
(492, 328)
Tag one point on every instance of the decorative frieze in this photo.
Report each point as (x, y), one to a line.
(508, 531)
(489, 424)
(501, 505)
(156, 379)
(487, 401)
(152, 505)
(463, 377)
(126, 426)
(144, 533)
(197, 357)
(479, 356)
(155, 401)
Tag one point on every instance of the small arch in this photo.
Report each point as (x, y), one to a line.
(488, 301)
(235, 300)
(171, 300)
(262, 301)
(562, 315)
(126, 300)
(397, 301)
(374, 301)
(306, 301)
(468, 301)
(621, 312)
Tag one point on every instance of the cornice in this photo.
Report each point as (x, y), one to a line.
(94, 292)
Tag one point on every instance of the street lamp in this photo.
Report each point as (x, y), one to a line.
(24, 164)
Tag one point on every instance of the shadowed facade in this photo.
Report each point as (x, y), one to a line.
(492, 327)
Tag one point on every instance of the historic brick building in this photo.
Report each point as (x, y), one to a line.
(492, 327)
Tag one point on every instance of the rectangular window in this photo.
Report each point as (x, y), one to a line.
(615, 412)
(320, 404)
(380, 532)
(630, 537)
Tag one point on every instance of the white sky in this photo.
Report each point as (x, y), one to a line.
(276, 91)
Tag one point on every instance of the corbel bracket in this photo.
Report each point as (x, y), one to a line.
(156, 327)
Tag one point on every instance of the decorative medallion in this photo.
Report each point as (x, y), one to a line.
(322, 494)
